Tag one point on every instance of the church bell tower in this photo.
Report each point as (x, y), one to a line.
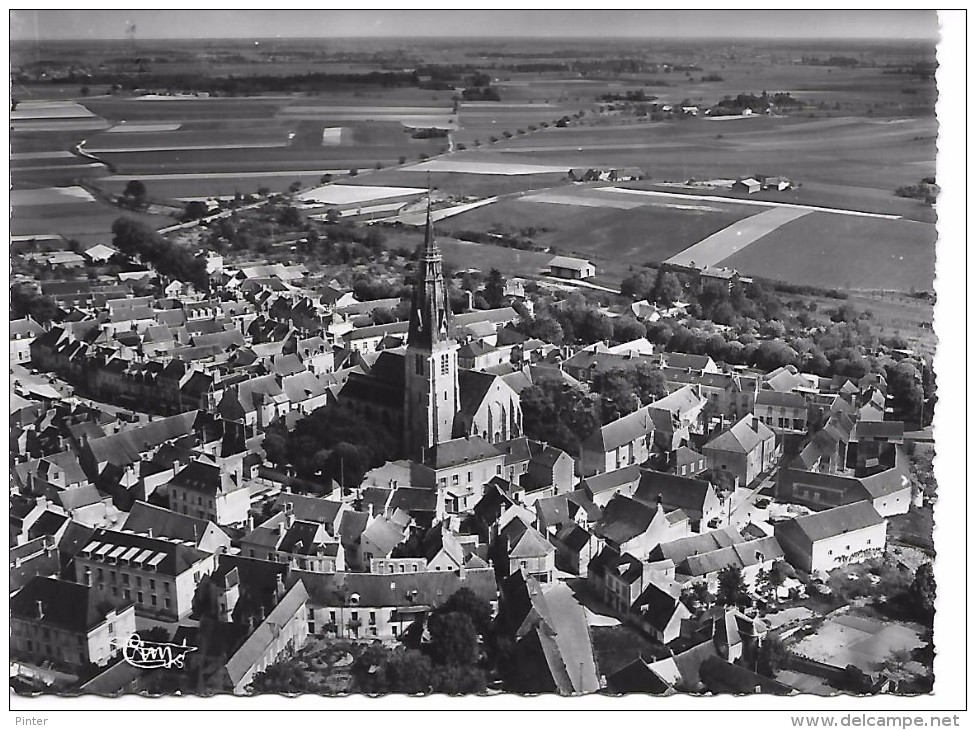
(431, 399)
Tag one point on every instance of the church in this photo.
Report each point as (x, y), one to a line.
(420, 390)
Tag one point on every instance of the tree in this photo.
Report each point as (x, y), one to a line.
(772, 655)
(628, 329)
(332, 215)
(290, 217)
(638, 286)
(667, 288)
(195, 209)
(467, 602)
(495, 289)
(25, 301)
(732, 587)
(453, 639)
(285, 676)
(697, 595)
(295, 186)
(855, 681)
(922, 591)
(135, 193)
(379, 670)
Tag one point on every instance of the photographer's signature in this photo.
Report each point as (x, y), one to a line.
(155, 655)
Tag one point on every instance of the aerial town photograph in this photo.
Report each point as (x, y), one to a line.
(473, 353)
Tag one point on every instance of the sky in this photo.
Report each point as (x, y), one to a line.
(149, 24)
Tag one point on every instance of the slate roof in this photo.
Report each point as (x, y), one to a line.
(66, 605)
(637, 677)
(531, 545)
(257, 644)
(126, 447)
(678, 550)
(624, 519)
(833, 522)
(743, 437)
(377, 590)
(612, 480)
(676, 492)
(780, 400)
(625, 429)
(168, 558)
(463, 451)
(741, 555)
(163, 522)
(722, 677)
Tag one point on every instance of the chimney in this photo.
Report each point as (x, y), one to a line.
(250, 523)
(281, 528)
(149, 532)
(279, 587)
(88, 578)
(289, 519)
(40, 609)
(369, 509)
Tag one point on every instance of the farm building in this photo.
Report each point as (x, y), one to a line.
(567, 267)
(775, 183)
(593, 174)
(747, 185)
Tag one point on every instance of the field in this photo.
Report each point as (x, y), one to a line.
(841, 251)
(860, 133)
(641, 234)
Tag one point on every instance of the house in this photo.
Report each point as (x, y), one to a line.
(619, 578)
(553, 652)
(379, 605)
(723, 677)
(53, 620)
(158, 576)
(575, 547)
(306, 545)
(209, 491)
(749, 556)
(889, 490)
(533, 554)
(638, 678)
(632, 526)
(696, 498)
(660, 612)
(627, 441)
(550, 471)
(686, 462)
(22, 333)
(747, 185)
(823, 541)
(153, 521)
(782, 411)
(676, 416)
(601, 488)
(776, 183)
(285, 630)
(746, 450)
(99, 254)
(567, 267)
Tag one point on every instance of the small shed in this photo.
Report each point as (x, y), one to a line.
(747, 185)
(567, 267)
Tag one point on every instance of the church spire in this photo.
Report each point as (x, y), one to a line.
(430, 311)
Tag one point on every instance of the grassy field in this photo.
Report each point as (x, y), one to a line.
(828, 151)
(845, 252)
(638, 235)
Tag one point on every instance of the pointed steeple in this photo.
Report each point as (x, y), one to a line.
(430, 314)
(430, 246)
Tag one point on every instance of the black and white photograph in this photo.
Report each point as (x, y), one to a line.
(484, 356)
